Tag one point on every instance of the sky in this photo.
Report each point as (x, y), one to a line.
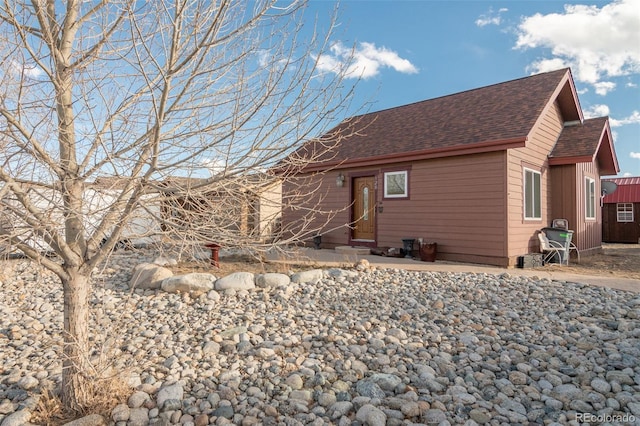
(409, 51)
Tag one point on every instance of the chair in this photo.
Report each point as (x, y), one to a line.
(550, 249)
(564, 224)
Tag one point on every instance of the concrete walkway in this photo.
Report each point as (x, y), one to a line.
(331, 258)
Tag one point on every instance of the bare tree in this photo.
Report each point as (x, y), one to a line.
(108, 108)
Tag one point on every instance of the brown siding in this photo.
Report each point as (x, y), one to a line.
(314, 204)
(563, 193)
(522, 236)
(457, 202)
(620, 232)
(588, 232)
(564, 200)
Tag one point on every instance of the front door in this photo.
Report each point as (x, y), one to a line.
(364, 208)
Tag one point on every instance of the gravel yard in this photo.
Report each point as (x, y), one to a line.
(370, 347)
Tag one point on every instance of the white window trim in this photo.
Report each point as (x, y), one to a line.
(589, 183)
(406, 184)
(628, 214)
(524, 194)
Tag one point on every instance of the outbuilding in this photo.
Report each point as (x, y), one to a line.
(621, 211)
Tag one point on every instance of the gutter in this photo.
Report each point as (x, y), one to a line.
(450, 151)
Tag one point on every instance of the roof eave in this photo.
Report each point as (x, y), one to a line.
(451, 151)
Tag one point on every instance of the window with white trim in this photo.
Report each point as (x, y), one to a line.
(396, 184)
(532, 195)
(590, 198)
(625, 212)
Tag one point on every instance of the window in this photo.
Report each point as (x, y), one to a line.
(396, 185)
(532, 196)
(625, 212)
(365, 203)
(590, 197)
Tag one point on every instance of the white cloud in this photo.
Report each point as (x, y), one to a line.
(596, 111)
(266, 60)
(595, 42)
(604, 87)
(263, 58)
(603, 110)
(491, 18)
(627, 174)
(634, 118)
(30, 71)
(363, 61)
(635, 155)
(544, 65)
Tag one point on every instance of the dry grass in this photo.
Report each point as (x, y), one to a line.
(239, 263)
(616, 260)
(103, 394)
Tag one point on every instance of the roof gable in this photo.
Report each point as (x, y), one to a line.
(490, 118)
(586, 142)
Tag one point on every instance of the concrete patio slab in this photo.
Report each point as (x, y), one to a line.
(333, 258)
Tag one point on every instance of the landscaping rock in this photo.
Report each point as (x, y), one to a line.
(272, 279)
(383, 346)
(236, 281)
(149, 276)
(195, 283)
(171, 392)
(310, 276)
(90, 420)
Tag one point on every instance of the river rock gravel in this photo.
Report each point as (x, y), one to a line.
(369, 347)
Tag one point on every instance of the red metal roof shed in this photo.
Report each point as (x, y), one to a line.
(628, 190)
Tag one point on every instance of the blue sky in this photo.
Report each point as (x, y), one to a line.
(409, 51)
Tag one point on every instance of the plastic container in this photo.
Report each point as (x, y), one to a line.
(428, 252)
(562, 236)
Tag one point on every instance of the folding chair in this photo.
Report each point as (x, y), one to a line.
(550, 249)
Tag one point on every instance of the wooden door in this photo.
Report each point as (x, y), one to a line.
(364, 208)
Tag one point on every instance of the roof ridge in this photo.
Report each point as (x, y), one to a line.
(561, 71)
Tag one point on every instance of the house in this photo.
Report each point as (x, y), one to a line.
(239, 210)
(478, 172)
(246, 207)
(621, 212)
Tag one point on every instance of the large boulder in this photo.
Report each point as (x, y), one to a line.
(272, 279)
(195, 283)
(149, 276)
(310, 276)
(236, 281)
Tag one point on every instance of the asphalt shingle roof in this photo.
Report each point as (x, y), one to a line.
(580, 140)
(500, 112)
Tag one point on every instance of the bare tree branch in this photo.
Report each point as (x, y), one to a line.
(159, 122)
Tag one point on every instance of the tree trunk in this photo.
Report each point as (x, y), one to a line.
(76, 376)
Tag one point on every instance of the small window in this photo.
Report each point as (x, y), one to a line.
(396, 185)
(625, 212)
(365, 203)
(532, 195)
(590, 197)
